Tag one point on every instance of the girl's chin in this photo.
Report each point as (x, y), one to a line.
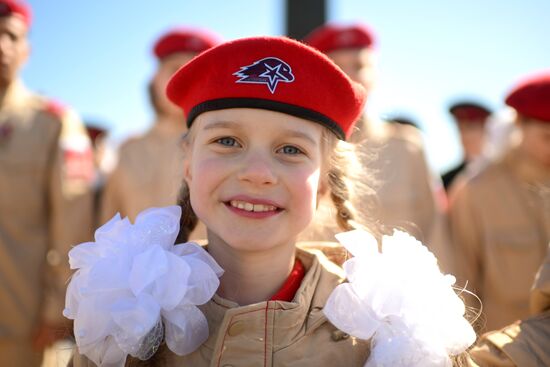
(256, 243)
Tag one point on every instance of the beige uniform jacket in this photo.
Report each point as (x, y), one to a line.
(525, 343)
(500, 221)
(407, 193)
(46, 169)
(274, 333)
(149, 173)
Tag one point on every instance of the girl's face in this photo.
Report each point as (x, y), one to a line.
(253, 176)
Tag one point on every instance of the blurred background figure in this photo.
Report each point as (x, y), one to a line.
(501, 133)
(525, 342)
(393, 153)
(471, 118)
(500, 217)
(104, 157)
(403, 120)
(139, 181)
(46, 170)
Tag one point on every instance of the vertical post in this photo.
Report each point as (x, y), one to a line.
(302, 16)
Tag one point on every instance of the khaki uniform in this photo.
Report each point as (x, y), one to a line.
(149, 174)
(500, 222)
(46, 206)
(274, 333)
(409, 197)
(524, 343)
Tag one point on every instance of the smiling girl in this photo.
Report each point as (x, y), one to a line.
(267, 120)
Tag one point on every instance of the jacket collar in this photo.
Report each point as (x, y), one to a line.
(295, 318)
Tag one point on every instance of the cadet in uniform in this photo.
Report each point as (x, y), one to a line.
(45, 174)
(523, 343)
(148, 172)
(470, 118)
(407, 191)
(500, 217)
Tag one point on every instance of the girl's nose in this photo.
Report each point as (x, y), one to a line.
(258, 169)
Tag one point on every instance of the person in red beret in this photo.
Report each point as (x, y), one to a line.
(266, 139)
(409, 195)
(500, 219)
(46, 171)
(524, 342)
(139, 181)
(470, 118)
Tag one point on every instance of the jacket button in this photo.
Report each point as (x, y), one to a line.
(236, 328)
(338, 335)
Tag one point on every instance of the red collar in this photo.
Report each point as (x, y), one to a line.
(291, 284)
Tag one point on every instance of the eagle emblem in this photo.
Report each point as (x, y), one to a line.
(269, 71)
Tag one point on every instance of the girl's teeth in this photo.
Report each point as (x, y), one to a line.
(249, 207)
(260, 208)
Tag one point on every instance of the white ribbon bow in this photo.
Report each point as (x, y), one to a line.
(133, 286)
(401, 300)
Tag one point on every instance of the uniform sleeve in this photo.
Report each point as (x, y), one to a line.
(540, 294)
(467, 242)
(110, 202)
(79, 360)
(486, 354)
(431, 217)
(70, 209)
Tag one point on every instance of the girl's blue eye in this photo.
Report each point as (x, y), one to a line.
(290, 149)
(227, 141)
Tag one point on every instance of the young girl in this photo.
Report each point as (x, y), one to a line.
(267, 117)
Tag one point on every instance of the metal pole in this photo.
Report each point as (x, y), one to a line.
(302, 16)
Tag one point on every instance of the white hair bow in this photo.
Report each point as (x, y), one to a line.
(401, 300)
(133, 286)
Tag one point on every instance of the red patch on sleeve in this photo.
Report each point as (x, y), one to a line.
(56, 108)
(78, 165)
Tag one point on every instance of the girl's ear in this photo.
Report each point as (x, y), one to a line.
(187, 176)
(187, 152)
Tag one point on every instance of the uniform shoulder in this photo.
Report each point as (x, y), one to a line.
(49, 107)
(483, 172)
(133, 143)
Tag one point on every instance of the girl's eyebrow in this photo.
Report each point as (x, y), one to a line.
(285, 132)
(299, 135)
(220, 125)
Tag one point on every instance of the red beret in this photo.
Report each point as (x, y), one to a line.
(531, 97)
(184, 40)
(469, 111)
(332, 37)
(272, 73)
(94, 133)
(9, 7)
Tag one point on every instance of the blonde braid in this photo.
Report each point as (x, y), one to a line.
(188, 220)
(340, 194)
(352, 188)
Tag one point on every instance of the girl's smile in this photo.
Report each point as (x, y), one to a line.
(253, 207)
(254, 175)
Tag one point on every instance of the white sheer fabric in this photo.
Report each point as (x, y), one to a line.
(401, 300)
(133, 285)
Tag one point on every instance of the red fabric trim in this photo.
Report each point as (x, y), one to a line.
(291, 284)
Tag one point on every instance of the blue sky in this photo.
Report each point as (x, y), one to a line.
(96, 55)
